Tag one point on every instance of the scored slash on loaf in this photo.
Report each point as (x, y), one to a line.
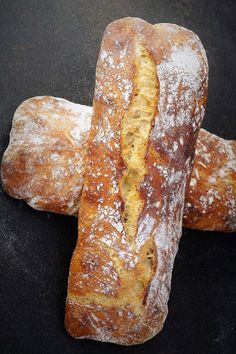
(44, 165)
(151, 89)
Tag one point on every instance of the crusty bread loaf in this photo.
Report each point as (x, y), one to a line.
(210, 199)
(149, 101)
(43, 163)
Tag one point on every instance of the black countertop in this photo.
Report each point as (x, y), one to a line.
(51, 48)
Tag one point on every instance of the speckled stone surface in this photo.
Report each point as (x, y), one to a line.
(51, 47)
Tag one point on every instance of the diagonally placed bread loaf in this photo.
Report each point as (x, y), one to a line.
(149, 101)
(210, 197)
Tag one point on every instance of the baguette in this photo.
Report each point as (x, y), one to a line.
(149, 101)
(30, 168)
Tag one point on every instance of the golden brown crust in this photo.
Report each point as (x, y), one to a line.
(101, 303)
(43, 163)
(211, 197)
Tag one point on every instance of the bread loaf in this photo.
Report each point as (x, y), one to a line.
(149, 101)
(210, 197)
(43, 163)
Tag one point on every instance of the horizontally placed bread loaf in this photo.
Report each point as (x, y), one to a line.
(149, 101)
(31, 170)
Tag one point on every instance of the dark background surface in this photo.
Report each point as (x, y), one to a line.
(51, 48)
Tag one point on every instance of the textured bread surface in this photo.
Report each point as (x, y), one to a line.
(210, 202)
(43, 163)
(120, 272)
(135, 129)
(211, 196)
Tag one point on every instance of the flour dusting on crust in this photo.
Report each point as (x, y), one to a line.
(133, 308)
(43, 163)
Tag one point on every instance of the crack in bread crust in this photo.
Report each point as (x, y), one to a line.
(135, 131)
